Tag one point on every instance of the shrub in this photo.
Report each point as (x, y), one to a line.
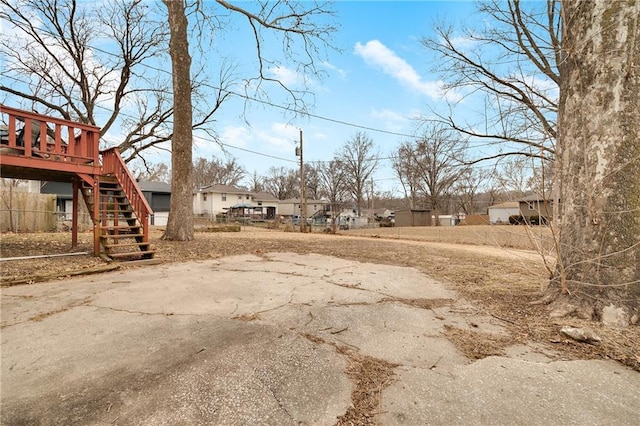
(516, 219)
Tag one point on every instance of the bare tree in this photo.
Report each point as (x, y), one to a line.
(333, 184)
(519, 83)
(469, 188)
(513, 176)
(437, 158)
(256, 183)
(151, 172)
(360, 161)
(312, 182)
(282, 183)
(56, 65)
(294, 24)
(216, 171)
(599, 171)
(406, 171)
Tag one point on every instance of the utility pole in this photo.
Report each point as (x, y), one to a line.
(303, 198)
(372, 202)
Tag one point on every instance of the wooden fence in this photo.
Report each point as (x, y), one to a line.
(31, 212)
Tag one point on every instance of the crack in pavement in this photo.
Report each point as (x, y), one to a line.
(369, 375)
(164, 314)
(41, 316)
(266, 271)
(275, 397)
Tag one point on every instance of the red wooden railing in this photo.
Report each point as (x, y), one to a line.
(65, 141)
(113, 164)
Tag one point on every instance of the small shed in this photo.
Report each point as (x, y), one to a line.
(499, 213)
(413, 217)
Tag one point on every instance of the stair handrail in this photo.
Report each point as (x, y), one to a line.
(112, 163)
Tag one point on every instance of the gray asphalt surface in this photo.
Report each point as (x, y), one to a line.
(251, 340)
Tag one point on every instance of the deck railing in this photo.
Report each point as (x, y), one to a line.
(48, 138)
(113, 164)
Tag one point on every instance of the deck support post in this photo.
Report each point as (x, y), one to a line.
(74, 214)
(96, 216)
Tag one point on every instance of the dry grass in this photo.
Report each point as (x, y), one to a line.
(507, 236)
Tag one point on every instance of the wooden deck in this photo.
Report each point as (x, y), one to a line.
(37, 147)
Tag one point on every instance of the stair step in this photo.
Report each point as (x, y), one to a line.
(116, 227)
(122, 245)
(125, 202)
(136, 254)
(122, 235)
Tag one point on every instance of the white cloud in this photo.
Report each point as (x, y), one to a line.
(463, 42)
(280, 137)
(342, 73)
(387, 114)
(288, 76)
(390, 120)
(380, 56)
(235, 136)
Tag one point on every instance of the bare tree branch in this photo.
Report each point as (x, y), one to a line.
(520, 82)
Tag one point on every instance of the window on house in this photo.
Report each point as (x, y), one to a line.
(248, 197)
(315, 207)
(204, 197)
(259, 203)
(224, 197)
(531, 206)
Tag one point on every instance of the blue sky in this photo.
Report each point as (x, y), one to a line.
(380, 79)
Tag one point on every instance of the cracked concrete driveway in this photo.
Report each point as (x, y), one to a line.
(271, 340)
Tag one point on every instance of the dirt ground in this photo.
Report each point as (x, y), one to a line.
(499, 281)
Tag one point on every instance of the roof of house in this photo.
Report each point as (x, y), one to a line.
(224, 189)
(297, 201)
(537, 197)
(506, 205)
(264, 196)
(155, 187)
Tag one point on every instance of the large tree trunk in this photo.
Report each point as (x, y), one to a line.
(599, 160)
(180, 222)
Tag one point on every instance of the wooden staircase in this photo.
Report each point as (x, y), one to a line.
(122, 233)
(38, 147)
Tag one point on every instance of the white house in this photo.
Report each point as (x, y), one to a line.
(216, 199)
(292, 207)
(499, 213)
(266, 205)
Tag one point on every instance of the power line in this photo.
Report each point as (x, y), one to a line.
(258, 153)
(261, 101)
(268, 103)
